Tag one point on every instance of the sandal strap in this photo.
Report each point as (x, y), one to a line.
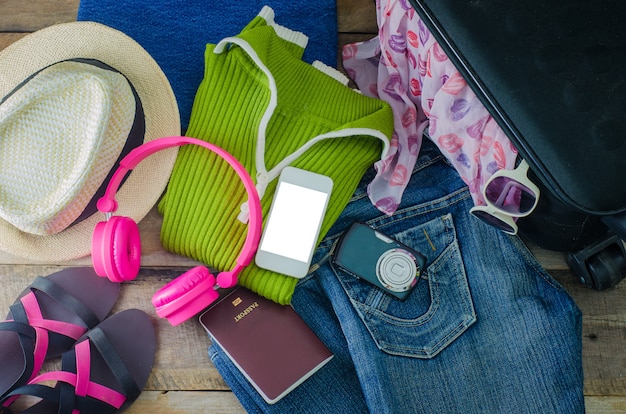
(36, 319)
(115, 363)
(19, 328)
(64, 298)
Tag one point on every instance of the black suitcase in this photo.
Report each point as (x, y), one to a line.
(553, 75)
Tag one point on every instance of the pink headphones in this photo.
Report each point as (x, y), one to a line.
(116, 246)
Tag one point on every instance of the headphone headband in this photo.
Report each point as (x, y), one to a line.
(108, 204)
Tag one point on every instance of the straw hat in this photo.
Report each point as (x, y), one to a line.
(74, 99)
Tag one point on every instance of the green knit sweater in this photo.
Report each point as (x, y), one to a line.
(260, 102)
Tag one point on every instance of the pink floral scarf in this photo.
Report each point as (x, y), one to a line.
(406, 67)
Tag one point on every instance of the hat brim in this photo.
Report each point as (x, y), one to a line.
(147, 181)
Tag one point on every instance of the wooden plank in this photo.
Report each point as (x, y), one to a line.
(225, 402)
(605, 405)
(186, 402)
(356, 16)
(603, 335)
(222, 402)
(27, 16)
(175, 402)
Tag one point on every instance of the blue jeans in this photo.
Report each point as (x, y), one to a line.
(486, 330)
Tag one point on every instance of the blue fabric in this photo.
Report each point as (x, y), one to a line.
(175, 32)
(486, 331)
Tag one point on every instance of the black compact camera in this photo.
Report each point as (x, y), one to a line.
(380, 260)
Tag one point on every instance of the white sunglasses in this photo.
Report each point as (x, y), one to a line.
(509, 194)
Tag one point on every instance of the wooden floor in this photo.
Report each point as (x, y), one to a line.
(183, 379)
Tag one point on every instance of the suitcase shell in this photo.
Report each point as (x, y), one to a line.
(552, 75)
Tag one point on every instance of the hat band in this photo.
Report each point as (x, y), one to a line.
(135, 139)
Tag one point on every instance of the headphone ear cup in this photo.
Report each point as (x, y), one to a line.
(185, 296)
(116, 249)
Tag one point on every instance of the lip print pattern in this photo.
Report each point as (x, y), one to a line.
(397, 43)
(399, 175)
(387, 203)
(444, 78)
(390, 61)
(415, 87)
(485, 144)
(409, 117)
(412, 38)
(498, 155)
(454, 85)
(394, 87)
(405, 66)
(424, 33)
(349, 52)
(492, 167)
(475, 130)
(412, 60)
(464, 160)
(414, 144)
(438, 53)
(450, 142)
(421, 66)
(406, 6)
(460, 108)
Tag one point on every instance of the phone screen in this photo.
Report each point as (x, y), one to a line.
(292, 226)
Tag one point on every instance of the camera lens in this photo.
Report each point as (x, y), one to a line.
(397, 270)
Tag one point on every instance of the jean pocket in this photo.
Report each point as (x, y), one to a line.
(436, 312)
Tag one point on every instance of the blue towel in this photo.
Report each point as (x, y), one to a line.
(175, 32)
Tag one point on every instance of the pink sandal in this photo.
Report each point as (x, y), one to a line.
(104, 373)
(48, 318)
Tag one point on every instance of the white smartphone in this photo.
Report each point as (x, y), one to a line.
(293, 225)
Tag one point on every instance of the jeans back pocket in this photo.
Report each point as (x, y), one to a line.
(440, 307)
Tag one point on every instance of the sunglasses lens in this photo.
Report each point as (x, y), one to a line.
(493, 221)
(510, 195)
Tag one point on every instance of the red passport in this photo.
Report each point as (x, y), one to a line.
(269, 343)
